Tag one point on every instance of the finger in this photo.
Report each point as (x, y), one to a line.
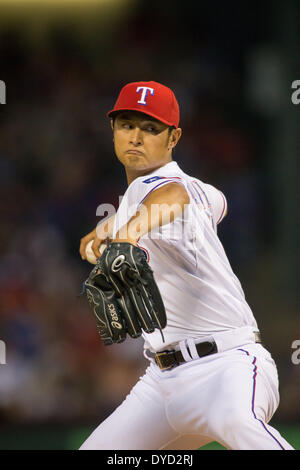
(133, 326)
(155, 306)
(95, 247)
(141, 310)
(83, 242)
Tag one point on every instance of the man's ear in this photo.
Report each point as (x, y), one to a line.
(175, 136)
(112, 124)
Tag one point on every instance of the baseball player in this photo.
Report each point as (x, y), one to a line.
(209, 376)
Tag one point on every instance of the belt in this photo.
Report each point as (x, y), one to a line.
(171, 358)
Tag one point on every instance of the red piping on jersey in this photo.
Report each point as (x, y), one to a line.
(194, 181)
(146, 251)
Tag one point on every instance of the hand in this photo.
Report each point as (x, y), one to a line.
(99, 235)
(95, 246)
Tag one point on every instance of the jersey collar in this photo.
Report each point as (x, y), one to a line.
(168, 166)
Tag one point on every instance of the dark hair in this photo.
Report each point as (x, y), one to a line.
(170, 128)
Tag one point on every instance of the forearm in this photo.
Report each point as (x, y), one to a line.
(104, 229)
(158, 209)
(148, 219)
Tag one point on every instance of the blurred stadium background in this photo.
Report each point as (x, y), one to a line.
(231, 66)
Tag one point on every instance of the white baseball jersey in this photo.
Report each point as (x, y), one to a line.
(201, 294)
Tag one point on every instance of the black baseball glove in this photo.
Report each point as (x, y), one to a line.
(123, 294)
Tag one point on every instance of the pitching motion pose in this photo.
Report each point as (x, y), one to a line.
(161, 272)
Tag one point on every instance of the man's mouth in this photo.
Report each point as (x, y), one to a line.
(135, 152)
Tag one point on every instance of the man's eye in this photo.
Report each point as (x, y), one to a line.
(151, 129)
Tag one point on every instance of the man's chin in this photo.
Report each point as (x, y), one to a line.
(135, 162)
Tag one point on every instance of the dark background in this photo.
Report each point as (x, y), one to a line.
(231, 67)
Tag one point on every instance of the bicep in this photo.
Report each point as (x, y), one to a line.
(170, 194)
(161, 206)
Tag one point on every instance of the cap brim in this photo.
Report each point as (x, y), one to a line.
(115, 111)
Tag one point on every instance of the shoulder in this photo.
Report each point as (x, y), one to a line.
(168, 177)
(217, 201)
(171, 193)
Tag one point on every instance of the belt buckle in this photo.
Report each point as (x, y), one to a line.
(158, 360)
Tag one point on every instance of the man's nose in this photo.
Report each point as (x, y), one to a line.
(136, 136)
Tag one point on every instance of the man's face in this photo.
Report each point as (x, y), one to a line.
(141, 142)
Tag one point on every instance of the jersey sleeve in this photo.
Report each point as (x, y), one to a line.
(218, 203)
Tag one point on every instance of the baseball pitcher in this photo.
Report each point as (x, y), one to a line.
(160, 271)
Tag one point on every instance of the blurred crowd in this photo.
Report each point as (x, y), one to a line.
(57, 165)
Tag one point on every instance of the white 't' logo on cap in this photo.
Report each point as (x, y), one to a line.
(144, 93)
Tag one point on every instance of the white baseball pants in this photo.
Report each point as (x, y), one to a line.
(228, 397)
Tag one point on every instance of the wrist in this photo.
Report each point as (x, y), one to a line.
(128, 240)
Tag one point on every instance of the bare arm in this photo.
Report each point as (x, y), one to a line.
(159, 208)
